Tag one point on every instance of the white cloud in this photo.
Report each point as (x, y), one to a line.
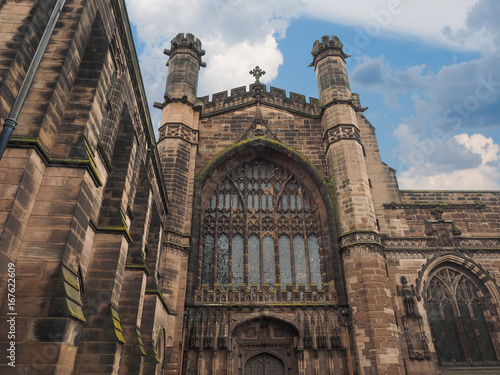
(481, 178)
(424, 19)
(479, 144)
(238, 35)
(230, 65)
(464, 162)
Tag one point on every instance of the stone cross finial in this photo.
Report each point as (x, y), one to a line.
(257, 73)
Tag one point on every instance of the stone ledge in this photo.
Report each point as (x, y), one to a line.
(88, 164)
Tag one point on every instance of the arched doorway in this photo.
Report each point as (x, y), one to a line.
(264, 364)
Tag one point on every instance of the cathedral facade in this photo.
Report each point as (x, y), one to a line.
(257, 233)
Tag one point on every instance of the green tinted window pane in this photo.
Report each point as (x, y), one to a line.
(237, 261)
(484, 332)
(222, 260)
(285, 261)
(314, 261)
(253, 260)
(470, 335)
(207, 274)
(452, 329)
(269, 270)
(300, 260)
(439, 332)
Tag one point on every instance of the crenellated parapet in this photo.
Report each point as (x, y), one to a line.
(327, 46)
(183, 43)
(240, 97)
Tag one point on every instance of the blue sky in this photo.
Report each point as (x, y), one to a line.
(429, 71)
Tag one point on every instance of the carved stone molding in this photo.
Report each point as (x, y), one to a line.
(360, 237)
(409, 243)
(177, 250)
(340, 132)
(361, 248)
(360, 243)
(473, 245)
(177, 238)
(178, 131)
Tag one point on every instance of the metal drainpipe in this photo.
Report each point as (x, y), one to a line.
(11, 121)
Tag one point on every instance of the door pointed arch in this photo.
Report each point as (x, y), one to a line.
(264, 364)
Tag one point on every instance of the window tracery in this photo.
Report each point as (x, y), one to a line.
(458, 318)
(261, 227)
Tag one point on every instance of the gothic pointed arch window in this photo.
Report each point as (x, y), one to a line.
(260, 227)
(459, 318)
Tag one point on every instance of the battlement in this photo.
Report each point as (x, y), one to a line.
(240, 97)
(188, 41)
(327, 46)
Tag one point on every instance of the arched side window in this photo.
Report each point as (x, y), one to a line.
(459, 318)
(260, 227)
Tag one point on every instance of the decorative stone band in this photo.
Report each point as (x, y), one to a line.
(451, 206)
(177, 130)
(395, 244)
(354, 238)
(255, 294)
(177, 238)
(426, 248)
(360, 243)
(340, 132)
(361, 248)
(177, 243)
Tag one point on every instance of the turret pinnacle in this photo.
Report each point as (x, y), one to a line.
(186, 43)
(327, 46)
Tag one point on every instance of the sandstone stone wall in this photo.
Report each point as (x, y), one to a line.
(82, 197)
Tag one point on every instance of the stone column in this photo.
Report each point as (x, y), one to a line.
(374, 329)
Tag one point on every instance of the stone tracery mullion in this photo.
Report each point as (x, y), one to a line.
(216, 234)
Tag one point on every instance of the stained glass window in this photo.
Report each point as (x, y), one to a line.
(457, 314)
(260, 226)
